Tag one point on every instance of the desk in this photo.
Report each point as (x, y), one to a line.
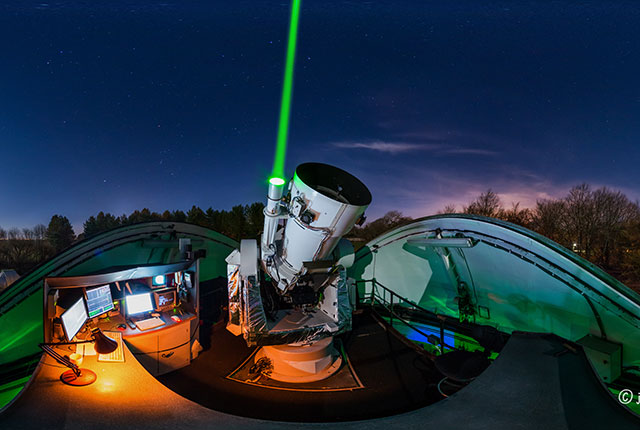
(162, 349)
(125, 396)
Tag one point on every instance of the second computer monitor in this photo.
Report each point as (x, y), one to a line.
(74, 318)
(139, 303)
(99, 300)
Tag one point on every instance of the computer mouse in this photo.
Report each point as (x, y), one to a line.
(155, 314)
(121, 327)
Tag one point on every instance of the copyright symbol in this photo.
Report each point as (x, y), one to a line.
(625, 396)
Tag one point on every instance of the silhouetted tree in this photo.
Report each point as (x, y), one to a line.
(215, 220)
(517, 215)
(14, 234)
(237, 222)
(60, 233)
(195, 215)
(487, 204)
(145, 215)
(101, 223)
(179, 216)
(255, 219)
(580, 218)
(548, 219)
(614, 213)
(42, 247)
(630, 250)
(28, 234)
(373, 229)
(448, 209)
(40, 232)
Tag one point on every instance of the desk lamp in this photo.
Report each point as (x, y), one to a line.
(76, 376)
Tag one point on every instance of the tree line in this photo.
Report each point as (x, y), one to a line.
(23, 249)
(601, 225)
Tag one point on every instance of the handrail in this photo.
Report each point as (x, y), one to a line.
(388, 305)
(393, 293)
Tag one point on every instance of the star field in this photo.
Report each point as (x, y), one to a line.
(117, 107)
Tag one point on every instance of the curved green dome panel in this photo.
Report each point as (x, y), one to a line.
(496, 273)
(152, 243)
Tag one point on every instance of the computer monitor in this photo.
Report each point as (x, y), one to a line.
(99, 300)
(139, 303)
(158, 281)
(164, 299)
(74, 318)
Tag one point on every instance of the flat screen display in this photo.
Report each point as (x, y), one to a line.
(139, 303)
(74, 318)
(99, 300)
(164, 299)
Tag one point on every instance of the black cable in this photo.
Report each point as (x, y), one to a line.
(59, 358)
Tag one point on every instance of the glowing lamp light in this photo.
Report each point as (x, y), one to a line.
(276, 181)
(158, 280)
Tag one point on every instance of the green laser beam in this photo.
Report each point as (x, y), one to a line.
(287, 90)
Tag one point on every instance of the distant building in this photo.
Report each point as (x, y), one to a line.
(7, 277)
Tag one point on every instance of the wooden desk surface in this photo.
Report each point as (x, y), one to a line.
(113, 323)
(125, 396)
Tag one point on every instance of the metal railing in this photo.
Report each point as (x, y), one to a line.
(388, 299)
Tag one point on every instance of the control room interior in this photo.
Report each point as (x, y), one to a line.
(144, 307)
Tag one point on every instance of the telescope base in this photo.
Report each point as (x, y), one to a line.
(301, 364)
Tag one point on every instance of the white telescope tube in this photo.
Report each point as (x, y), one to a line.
(330, 202)
(271, 215)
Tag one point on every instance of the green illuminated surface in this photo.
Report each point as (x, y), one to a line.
(634, 405)
(21, 306)
(287, 89)
(10, 390)
(276, 181)
(518, 279)
(460, 341)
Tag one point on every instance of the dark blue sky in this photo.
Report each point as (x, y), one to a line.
(134, 104)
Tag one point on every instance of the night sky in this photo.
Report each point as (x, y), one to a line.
(121, 105)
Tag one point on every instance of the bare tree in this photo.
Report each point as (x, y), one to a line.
(448, 209)
(3, 233)
(40, 232)
(613, 212)
(487, 204)
(373, 229)
(28, 234)
(14, 234)
(581, 218)
(548, 219)
(517, 215)
(630, 249)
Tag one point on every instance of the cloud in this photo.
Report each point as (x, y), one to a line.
(405, 147)
(471, 151)
(389, 147)
(433, 135)
(431, 189)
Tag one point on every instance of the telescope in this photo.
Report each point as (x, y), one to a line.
(290, 293)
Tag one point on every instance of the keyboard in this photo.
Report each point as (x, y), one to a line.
(118, 354)
(149, 323)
